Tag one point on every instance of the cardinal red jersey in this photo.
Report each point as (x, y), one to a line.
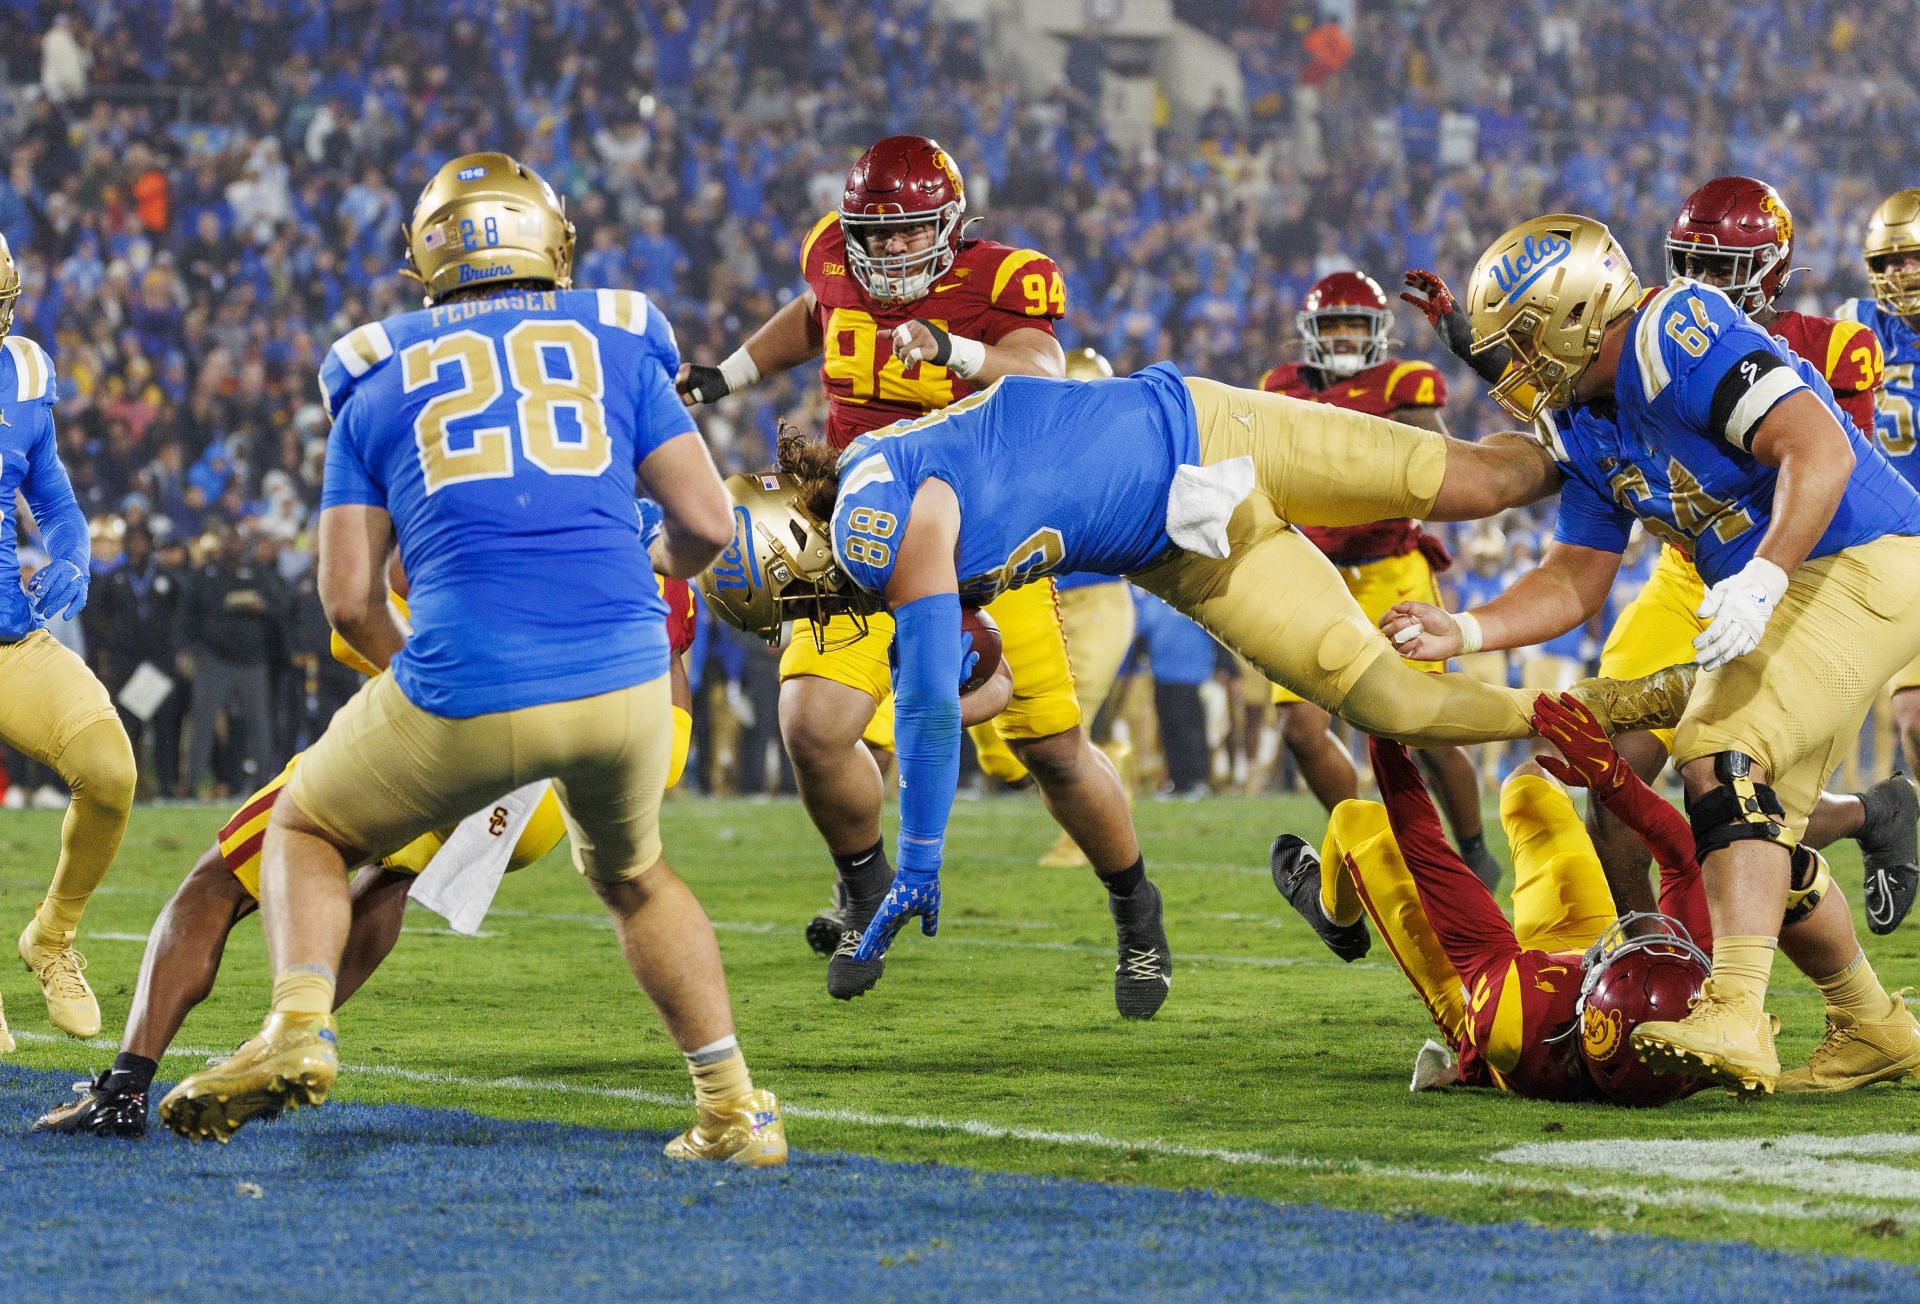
(1517, 1009)
(1380, 390)
(990, 291)
(1847, 353)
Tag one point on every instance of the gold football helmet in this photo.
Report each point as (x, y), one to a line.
(9, 287)
(780, 565)
(1547, 289)
(1894, 228)
(484, 218)
(1087, 364)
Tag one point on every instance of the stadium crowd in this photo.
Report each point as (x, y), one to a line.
(204, 195)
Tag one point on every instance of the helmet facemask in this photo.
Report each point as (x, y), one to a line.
(779, 568)
(10, 283)
(1740, 273)
(902, 277)
(1896, 290)
(1321, 350)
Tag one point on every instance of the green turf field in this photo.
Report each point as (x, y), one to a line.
(1273, 1070)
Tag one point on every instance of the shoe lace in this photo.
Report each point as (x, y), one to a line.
(849, 943)
(59, 972)
(1142, 965)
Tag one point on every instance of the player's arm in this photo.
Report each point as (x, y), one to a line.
(1815, 461)
(60, 587)
(788, 338)
(355, 539)
(923, 593)
(696, 516)
(1025, 351)
(1563, 592)
(1423, 416)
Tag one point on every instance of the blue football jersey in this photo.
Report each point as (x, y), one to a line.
(1696, 378)
(1896, 404)
(1052, 476)
(30, 466)
(502, 435)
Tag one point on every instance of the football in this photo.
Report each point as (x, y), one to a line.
(986, 641)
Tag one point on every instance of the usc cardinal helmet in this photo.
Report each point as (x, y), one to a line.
(1629, 981)
(1340, 296)
(1738, 229)
(902, 181)
(487, 218)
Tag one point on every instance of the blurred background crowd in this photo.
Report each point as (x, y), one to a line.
(205, 193)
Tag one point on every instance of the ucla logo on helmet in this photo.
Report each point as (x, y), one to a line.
(469, 174)
(731, 570)
(488, 272)
(1537, 254)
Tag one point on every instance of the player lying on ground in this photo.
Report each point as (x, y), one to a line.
(183, 952)
(52, 708)
(1670, 407)
(1734, 233)
(498, 438)
(1507, 997)
(1186, 486)
(907, 314)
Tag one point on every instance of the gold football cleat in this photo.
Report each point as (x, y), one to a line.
(70, 1003)
(291, 1062)
(6, 1037)
(747, 1131)
(1654, 701)
(1717, 1040)
(1856, 1052)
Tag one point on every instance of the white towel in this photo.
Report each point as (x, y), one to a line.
(1201, 502)
(460, 880)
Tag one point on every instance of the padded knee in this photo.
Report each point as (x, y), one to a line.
(98, 765)
(1809, 882)
(1737, 809)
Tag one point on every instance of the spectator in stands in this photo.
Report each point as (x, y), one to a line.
(131, 622)
(233, 636)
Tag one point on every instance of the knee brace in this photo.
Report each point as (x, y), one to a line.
(1738, 810)
(1809, 881)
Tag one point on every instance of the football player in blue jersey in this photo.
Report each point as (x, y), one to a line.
(497, 436)
(51, 706)
(1673, 407)
(1187, 486)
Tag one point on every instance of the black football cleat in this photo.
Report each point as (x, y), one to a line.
(1144, 973)
(1888, 851)
(824, 929)
(103, 1109)
(1296, 872)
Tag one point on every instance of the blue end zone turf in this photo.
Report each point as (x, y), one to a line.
(390, 1202)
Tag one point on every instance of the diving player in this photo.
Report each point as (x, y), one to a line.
(1735, 233)
(1186, 486)
(1675, 409)
(51, 706)
(223, 887)
(1345, 325)
(907, 316)
(498, 435)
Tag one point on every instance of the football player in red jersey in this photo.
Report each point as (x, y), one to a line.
(907, 315)
(1734, 233)
(1346, 326)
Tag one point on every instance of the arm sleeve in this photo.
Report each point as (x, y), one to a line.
(1670, 838)
(1588, 520)
(349, 481)
(926, 724)
(49, 495)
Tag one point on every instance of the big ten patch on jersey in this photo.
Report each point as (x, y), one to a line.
(1380, 390)
(991, 291)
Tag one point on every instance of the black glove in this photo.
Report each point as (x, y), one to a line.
(703, 384)
(1451, 323)
(942, 344)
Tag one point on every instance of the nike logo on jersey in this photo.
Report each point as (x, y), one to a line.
(951, 285)
(1355, 391)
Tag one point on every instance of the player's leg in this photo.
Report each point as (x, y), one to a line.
(1906, 715)
(996, 759)
(610, 774)
(1871, 1035)
(1560, 897)
(1082, 791)
(1098, 622)
(1307, 733)
(1456, 785)
(1882, 819)
(53, 710)
(1758, 739)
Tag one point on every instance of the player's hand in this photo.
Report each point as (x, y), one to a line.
(698, 384)
(920, 340)
(653, 520)
(1591, 762)
(1737, 610)
(1431, 296)
(56, 590)
(1421, 631)
(988, 700)
(914, 892)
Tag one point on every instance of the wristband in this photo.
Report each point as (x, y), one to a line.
(966, 356)
(739, 370)
(1468, 626)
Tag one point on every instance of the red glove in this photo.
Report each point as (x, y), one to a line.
(1591, 761)
(682, 615)
(1435, 300)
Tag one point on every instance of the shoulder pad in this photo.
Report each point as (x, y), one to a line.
(1855, 360)
(353, 357)
(632, 311)
(869, 520)
(830, 222)
(32, 371)
(1702, 310)
(1415, 383)
(1850, 310)
(1013, 286)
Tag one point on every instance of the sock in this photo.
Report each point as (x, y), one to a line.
(56, 920)
(1123, 883)
(132, 1072)
(1856, 991)
(866, 874)
(304, 989)
(1742, 967)
(719, 1073)
(1471, 847)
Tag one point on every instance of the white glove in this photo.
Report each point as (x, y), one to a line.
(1737, 610)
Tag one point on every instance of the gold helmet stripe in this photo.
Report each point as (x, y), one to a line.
(1654, 375)
(30, 367)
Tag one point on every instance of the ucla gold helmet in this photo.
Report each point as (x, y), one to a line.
(1087, 364)
(780, 565)
(1893, 229)
(9, 287)
(1546, 290)
(487, 218)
